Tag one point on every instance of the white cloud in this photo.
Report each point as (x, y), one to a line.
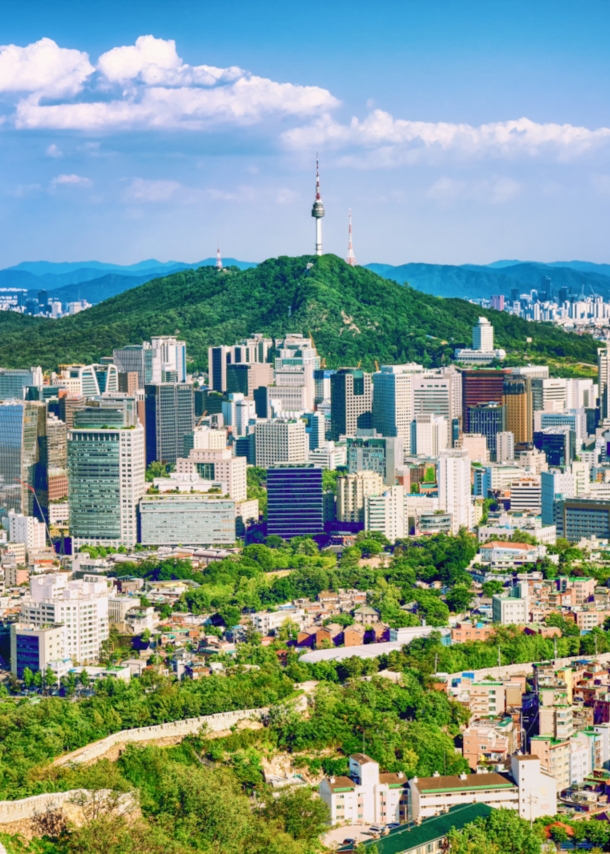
(247, 101)
(54, 151)
(156, 63)
(43, 67)
(386, 141)
(70, 181)
(495, 191)
(144, 190)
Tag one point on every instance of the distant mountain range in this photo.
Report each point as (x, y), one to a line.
(96, 281)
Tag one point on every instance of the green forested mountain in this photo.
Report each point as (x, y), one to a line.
(353, 314)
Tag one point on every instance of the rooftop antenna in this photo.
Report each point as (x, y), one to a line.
(351, 258)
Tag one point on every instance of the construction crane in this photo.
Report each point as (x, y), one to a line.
(376, 365)
(201, 419)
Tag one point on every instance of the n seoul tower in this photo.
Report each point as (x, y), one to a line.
(317, 211)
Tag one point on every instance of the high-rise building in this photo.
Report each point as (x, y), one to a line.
(14, 381)
(485, 385)
(321, 380)
(482, 351)
(454, 487)
(295, 503)
(80, 606)
(385, 513)
(22, 432)
(280, 441)
(169, 417)
(488, 419)
(87, 380)
(245, 378)
(217, 464)
(254, 350)
(381, 455)
(351, 402)
(393, 401)
(550, 394)
(106, 476)
(603, 380)
(476, 446)
(295, 364)
(558, 443)
(440, 392)
(428, 435)
(518, 403)
(26, 530)
(526, 494)
(483, 336)
(352, 492)
(505, 447)
(172, 355)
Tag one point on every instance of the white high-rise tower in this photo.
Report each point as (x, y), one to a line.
(218, 259)
(351, 258)
(317, 211)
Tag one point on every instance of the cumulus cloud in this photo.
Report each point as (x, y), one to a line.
(399, 140)
(156, 62)
(145, 85)
(43, 67)
(70, 181)
(54, 151)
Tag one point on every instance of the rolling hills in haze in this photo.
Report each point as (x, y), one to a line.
(353, 314)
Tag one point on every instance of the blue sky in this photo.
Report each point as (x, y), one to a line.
(456, 131)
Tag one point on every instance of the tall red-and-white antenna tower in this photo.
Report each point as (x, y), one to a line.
(351, 258)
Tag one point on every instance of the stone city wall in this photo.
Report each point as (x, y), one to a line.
(177, 729)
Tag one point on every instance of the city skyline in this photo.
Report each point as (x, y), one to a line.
(453, 137)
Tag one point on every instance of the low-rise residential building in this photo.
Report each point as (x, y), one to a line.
(266, 622)
(466, 632)
(366, 796)
(554, 755)
(528, 789)
(489, 740)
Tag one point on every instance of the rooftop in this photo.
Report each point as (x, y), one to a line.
(453, 782)
(409, 838)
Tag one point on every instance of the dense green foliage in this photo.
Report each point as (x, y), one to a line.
(353, 314)
(33, 732)
(503, 832)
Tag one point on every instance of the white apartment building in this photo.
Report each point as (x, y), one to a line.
(386, 513)
(80, 606)
(294, 386)
(26, 530)
(510, 610)
(454, 487)
(352, 492)
(266, 622)
(526, 494)
(366, 796)
(393, 401)
(217, 465)
(429, 434)
(280, 441)
(528, 789)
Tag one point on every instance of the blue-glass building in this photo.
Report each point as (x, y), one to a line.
(295, 506)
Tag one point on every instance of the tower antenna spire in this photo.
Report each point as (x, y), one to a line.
(317, 210)
(351, 258)
(218, 259)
